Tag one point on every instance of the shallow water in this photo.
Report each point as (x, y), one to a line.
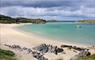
(71, 32)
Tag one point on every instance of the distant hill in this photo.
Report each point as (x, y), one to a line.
(82, 21)
(8, 19)
(88, 21)
(60, 21)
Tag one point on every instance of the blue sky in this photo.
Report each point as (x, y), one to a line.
(49, 9)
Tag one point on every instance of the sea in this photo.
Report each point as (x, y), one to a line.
(77, 33)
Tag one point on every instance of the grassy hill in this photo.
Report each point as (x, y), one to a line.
(88, 21)
(8, 19)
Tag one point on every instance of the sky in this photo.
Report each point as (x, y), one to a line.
(49, 9)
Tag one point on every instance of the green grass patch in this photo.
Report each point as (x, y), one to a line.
(7, 55)
(92, 57)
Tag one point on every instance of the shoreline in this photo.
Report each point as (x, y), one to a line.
(15, 27)
(50, 39)
(11, 35)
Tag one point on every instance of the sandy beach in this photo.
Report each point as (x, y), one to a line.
(10, 35)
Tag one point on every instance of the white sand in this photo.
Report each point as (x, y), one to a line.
(10, 35)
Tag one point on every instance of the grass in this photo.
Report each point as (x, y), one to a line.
(92, 57)
(7, 55)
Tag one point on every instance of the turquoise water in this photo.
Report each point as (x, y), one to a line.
(70, 32)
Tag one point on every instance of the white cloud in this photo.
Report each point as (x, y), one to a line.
(44, 12)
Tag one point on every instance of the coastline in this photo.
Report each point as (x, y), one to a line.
(11, 35)
(48, 39)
